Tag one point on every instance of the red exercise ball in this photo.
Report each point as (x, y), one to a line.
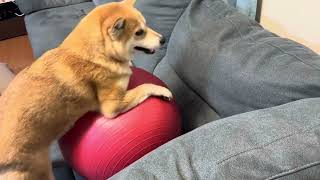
(97, 147)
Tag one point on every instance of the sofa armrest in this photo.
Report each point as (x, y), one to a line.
(29, 6)
(276, 143)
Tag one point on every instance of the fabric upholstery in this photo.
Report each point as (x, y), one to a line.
(63, 173)
(29, 6)
(277, 143)
(77, 176)
(194, 110)
(55, 155)
(234, 64)
(100, 2)
(48, 28)
(61, 169)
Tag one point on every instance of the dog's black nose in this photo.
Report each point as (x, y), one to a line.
(162, 40)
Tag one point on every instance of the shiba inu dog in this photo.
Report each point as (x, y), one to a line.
(89, 71)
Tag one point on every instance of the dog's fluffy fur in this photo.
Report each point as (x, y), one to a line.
(89, 71)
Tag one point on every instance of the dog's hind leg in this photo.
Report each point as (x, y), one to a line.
(36, 166)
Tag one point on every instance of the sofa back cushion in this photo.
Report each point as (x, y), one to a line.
(48, 28)
(233, 64)
(29, 6)
(100, 2)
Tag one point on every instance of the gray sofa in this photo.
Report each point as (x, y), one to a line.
(249, 99)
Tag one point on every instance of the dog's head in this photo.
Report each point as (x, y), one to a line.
(125, 31)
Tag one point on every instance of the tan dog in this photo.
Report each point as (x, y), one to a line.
(89, 71)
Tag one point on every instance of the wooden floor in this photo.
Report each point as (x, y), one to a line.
(16, 52)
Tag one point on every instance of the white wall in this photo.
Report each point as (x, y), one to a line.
(298, 20)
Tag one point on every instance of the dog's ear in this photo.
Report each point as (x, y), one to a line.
(117, 29)
(129, 2)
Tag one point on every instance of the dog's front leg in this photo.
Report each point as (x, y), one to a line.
(113, 107)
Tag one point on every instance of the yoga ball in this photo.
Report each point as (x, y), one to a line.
(97, 147)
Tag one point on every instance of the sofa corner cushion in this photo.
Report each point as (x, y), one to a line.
(29, 6)
(48, 28)
(274, 143)
(236, 65)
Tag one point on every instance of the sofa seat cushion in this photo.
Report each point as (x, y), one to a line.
(277, 143)
(235, 65)
(48, 28)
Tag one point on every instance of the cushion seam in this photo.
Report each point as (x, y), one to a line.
(294, 170)
(293, 55)
(266, 144)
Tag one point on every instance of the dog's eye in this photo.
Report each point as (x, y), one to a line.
(140, 32)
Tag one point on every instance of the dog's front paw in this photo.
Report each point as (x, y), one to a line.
(155, 90)
(161, 92)
(110, 116)
(165, 94)
(109, 111)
